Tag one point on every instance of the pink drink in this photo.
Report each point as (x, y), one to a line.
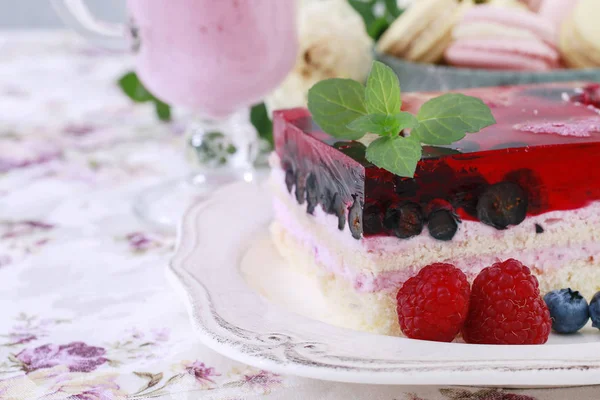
(214, 56)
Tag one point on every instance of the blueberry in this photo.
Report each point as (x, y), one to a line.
(568, 309)
(595, 310)
(312, 193)
(326, 198)
(502, 204)
(355, 219)
(339, 210)
(442, 224)
(300, 189)
(372, 219)
(406, 187)
(467, 192)
(405, 220)
(539, 228)
(290, 178)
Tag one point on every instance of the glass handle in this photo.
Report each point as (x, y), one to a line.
(77, 16)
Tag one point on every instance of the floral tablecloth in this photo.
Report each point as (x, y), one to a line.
(85, 309)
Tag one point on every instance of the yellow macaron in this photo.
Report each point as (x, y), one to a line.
(423, 32)
(580, 36)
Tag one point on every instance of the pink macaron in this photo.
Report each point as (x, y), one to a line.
(502, 54)
(500, 38)
(513, 18)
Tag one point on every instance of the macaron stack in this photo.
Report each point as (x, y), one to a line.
(494, 37)
(580, 35)
(424, 30)
(528, 35)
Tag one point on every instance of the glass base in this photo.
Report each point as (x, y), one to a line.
(164, 205)
(225, 150)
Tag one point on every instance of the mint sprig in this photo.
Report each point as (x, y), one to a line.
(345, 109)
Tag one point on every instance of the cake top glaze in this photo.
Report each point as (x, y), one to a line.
(531, 115)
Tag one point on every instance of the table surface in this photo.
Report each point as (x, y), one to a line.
(85, 309)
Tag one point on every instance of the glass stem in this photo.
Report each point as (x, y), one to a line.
(216, 145)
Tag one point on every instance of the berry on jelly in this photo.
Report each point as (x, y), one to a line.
(355, 219)
(405, 220)
(568, 310)
(339, 210)
(502, 204)
(300, 189)
(290, 178)
(326, 198)
(312, 193)
(372, 219)
(442, 224)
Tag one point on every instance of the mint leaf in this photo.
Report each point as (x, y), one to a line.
(383, 90)
(136, 91)
(163, 110)
(380, 124)
(398, 155)
(334, 103)
(447, 118)
(406, 120)
(131, 85)
(259, 116)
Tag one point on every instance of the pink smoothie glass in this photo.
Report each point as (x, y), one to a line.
(214, 58)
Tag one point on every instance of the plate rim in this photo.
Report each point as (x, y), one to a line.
(287, 354)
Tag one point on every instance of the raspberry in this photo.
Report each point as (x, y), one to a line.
(434, 304)
(506, 307)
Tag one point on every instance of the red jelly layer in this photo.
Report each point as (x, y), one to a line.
(546, 141)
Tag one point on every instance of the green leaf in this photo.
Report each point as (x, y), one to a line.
(135, 90)
(376, 23)
(163, 110)
(383, 90)
(392, 8)
(447, 118)
(398, 155)
(380, 124)
(365, 9)
(131, 85)
(334, 103)
(259, 116)
(406, 120)
(378, 28)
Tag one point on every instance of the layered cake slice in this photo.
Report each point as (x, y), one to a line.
(527, 187)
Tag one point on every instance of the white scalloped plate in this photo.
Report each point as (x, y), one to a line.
(224, 260)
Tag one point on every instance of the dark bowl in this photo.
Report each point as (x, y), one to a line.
(415, 77)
